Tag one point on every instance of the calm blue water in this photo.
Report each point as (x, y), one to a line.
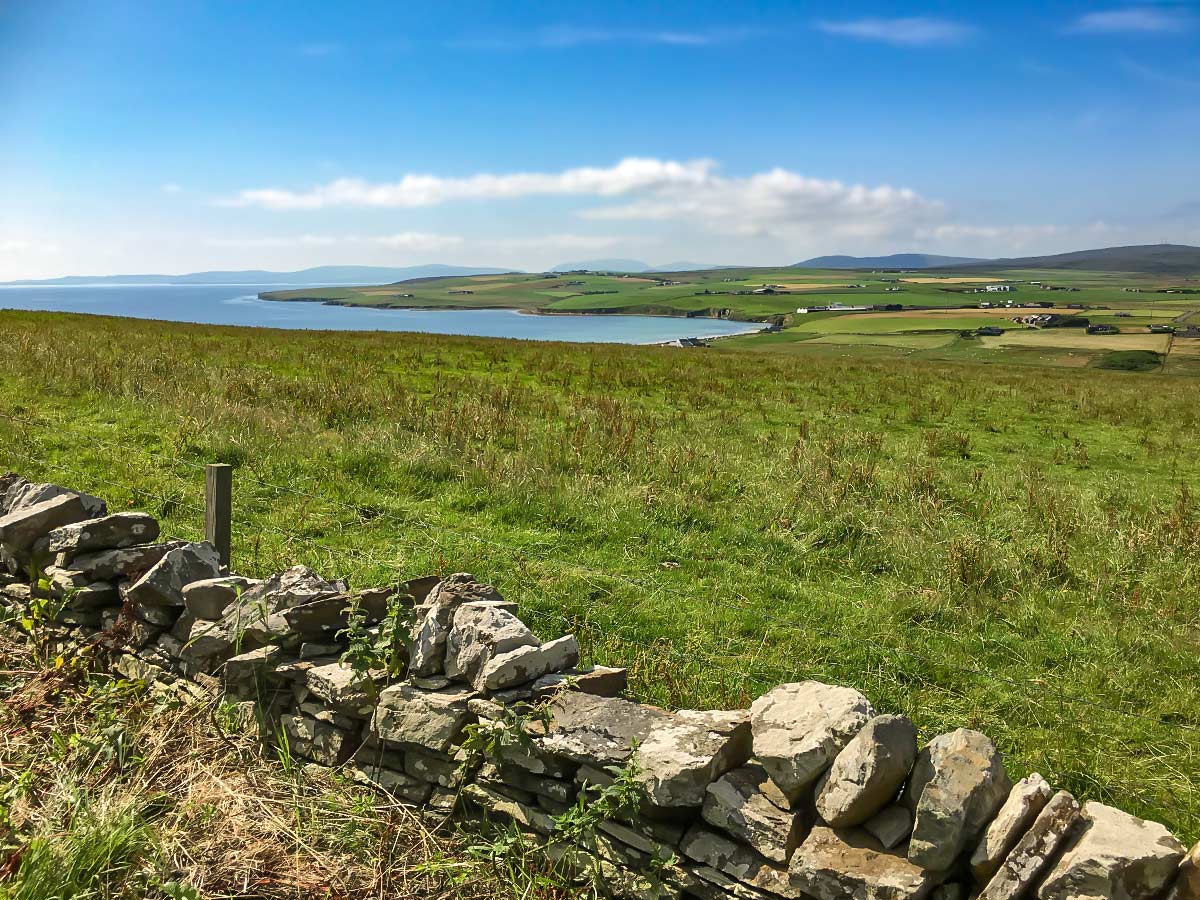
(239, 305)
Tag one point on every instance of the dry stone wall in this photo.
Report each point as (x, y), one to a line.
(811, 793)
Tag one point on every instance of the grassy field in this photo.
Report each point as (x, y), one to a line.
(933, 301)
(1012, 549)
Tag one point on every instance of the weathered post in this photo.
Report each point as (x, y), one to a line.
(218, 508)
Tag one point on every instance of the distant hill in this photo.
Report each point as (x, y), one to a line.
(633, 265)
(1149, 259)
(317, 275)
(894, 261)
(603, 265)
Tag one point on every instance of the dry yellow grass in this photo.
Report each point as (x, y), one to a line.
(1077, 339)
(959, 280)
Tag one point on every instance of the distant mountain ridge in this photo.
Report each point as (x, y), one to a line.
(316, 275)
(1149, 259)
(893, 261)
(630, 265)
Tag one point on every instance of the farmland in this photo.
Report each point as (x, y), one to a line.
(940, 311)
(1001, 547)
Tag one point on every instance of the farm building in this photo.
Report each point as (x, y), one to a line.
(990, 331)
(1192, 331)
(999, 288)
(460, 292)
(1161, 329)
(1103, 329)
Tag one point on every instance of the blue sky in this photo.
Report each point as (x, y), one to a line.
(178, 136)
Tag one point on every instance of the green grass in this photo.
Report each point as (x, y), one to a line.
(1131, 360)
(1000, 547)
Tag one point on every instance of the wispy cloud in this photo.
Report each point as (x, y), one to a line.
(413, 190)
(914, 31)
(23, 247)
(171, 188)
(1158, 76)
(1135, 20)
(417, 241)
(560, 37)
(319, 49)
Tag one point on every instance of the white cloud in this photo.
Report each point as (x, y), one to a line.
(630, 174)
(1135, 20)
(406, 240)
(557, 37)
(21, 247)
(914, 31)
(781, 203)
(171, 188)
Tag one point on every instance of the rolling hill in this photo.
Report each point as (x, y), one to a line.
(317, 275)
(893, 261)
(1149, 259)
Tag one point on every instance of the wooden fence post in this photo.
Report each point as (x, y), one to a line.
(218, 508)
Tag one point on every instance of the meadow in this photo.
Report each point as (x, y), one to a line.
(999, 547)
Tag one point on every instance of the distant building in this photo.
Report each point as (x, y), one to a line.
(1161, 329)
(1103, 329)
(989, 331)
(1192, 331)
(999, 288)
(460, 292)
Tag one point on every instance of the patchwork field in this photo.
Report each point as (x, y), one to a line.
(945, 302)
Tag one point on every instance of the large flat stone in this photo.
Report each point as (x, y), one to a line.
(1034, 850)
(123, 529)
(800, 728)
(837, 865)
(24, 526)
(869, 772)
(957, 786)
(210, 597)
(596, 731)
(526, 664)
(125, 562)
(1187, 882)
(433, 720)
(342, 688)
(1113, 855)
(1026, 799)
(735, 860)
(746, 804)
(684, 754)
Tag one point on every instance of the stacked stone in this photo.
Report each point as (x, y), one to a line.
(811, 793)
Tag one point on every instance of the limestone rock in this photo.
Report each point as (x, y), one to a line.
(1025, 801)
(1115, 856)
(685, 753)
(735, 860)
(869, 772)
(1034, 851)
(21, 528)
(526, 664)
(163, 584)
(248, 675)
(208, 645)
(957, 785)
(123, 529)
(800, 728)
(23, 493)
(835, 865)
(427, 651)
(596, 731)
(342, 688)
(479, 632)
(433, 720)
(746, 804)
(125, 562)
(323, 616)
(210, 597)
(891, 826)
(318, 741)
(603, 681)
(297, 585)
(1187, 883)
